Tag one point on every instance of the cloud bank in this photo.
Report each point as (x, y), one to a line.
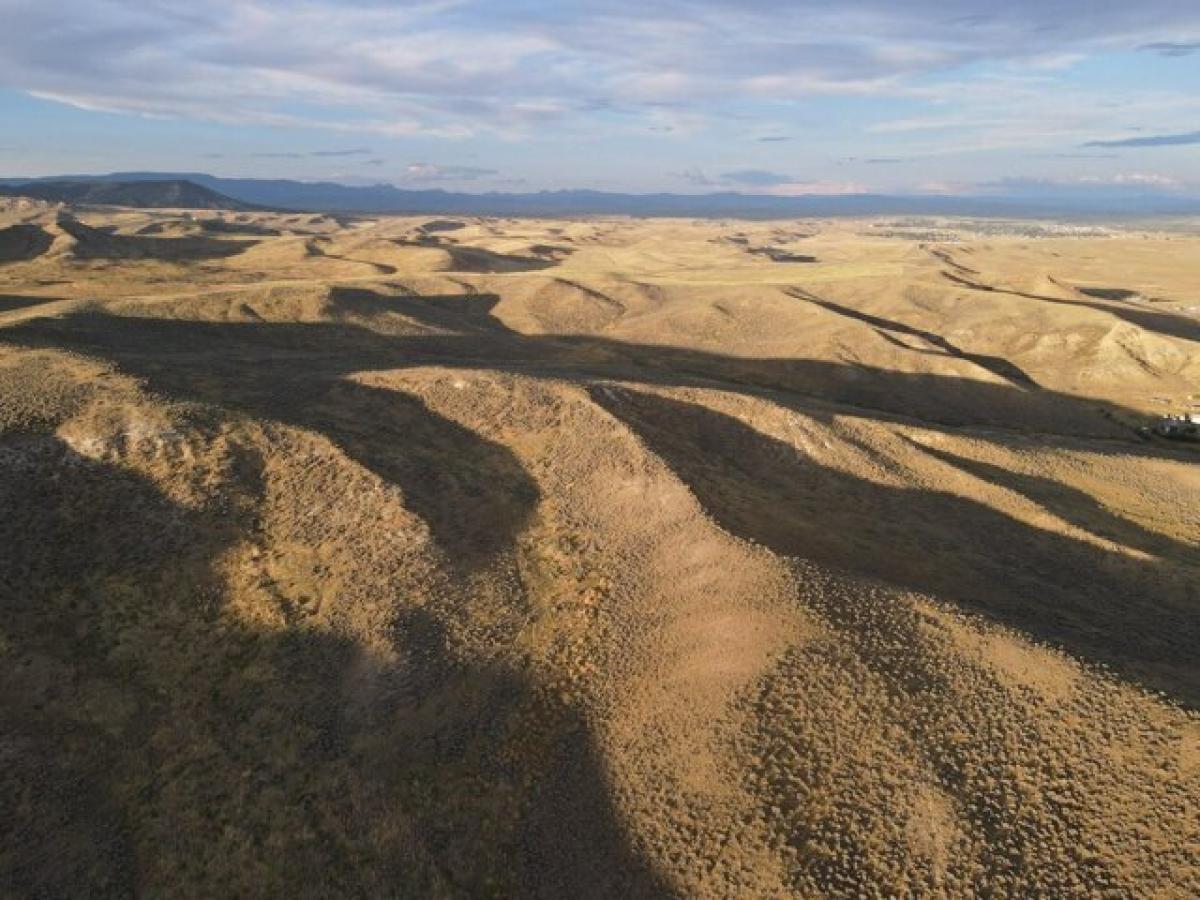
(428, 172)
(1154, 140)
(454, 68)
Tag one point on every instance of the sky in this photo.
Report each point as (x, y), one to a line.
(1003, 97)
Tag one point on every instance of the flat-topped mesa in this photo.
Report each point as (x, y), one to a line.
(171, 193)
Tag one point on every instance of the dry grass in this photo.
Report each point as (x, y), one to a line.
(593, 558)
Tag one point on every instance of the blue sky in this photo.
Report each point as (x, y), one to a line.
(818, 96)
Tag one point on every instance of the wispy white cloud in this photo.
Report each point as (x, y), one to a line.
(694, 177)
(1031, 113)
(755, 178)
(778, 97)
(454, 68)
(355, 151)
(818, 188)
(318, 154)
(428, 172)
(1151, 140)
(1172, 48)
(777, 184)
(1125, 181)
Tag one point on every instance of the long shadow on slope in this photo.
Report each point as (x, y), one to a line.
(476, 495)
(94, 243)
(473, 493)
(1140, 617)
(1166, 324)
(1070, 504)
(23, 242)
(281, 371)
(472, 336)
(477, 259)
(997, 365)
(454, 313)
(158, 742)
(11, 302)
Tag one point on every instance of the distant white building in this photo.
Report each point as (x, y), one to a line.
(1185, 427)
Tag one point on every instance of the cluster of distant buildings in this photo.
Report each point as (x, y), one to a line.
(1185, 427)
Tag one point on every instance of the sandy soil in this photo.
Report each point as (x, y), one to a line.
(410, 557)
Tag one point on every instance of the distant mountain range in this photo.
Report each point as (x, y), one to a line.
(201, 191)
(163, 193)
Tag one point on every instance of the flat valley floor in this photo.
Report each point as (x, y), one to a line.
(406, 557)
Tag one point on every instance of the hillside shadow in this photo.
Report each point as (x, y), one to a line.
(23, 242)
(473, 493)
(1070, 504)
(775, 254)
(237, 227)
(888, 329)
(450, 313)
(476, 495)
(281, 370)
(1108, 293)
(477, 260)
(95, 243)
(155, 740)
(12, 302)
(1139, 617)
(1161, 323)
(441, 225)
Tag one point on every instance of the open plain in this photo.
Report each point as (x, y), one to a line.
(608, 558)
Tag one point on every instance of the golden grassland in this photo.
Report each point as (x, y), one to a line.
(607, 558)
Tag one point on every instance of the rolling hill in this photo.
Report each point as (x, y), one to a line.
(384, 198)
(169, 193)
